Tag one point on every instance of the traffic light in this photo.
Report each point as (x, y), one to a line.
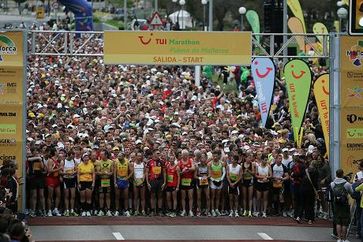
(356, 17)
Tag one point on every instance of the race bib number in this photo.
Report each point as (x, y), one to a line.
(277, 184)
(139, 181)
(170, 178)
(122, 172)
(157, 170)
(203, 181)
(186, 182)
(37, 166)
(233, 177)
(69, 171)
(216, 174)
(105, 182)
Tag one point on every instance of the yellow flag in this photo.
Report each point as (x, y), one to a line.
(295, 7)
(321, 93)
(318, 29)
(296, 27)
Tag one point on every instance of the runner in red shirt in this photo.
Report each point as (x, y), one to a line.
(186, 180)
(155, 181)
(172, 174)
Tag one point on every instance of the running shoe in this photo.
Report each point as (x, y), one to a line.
(73, 213)
(214, 213)
(182, 214)
(109, 214)
(172, 215)
(127, 214)
(231, 214)
(116, 213)
(49, 214)
(56, 212)
(250, 214)
(236, 215)
(101, 213)
(209, 214)
(31, 213)
(198, 213)
(191, 213)
(83, 214)
(66, 213)
(244, 213)
(136, 213)
(143, 213)
(255, 214)
(88, 214)
(264, 215)
(218, 213)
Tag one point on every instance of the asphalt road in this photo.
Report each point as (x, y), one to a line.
(162, 229)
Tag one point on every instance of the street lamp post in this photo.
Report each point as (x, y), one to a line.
(210, 15)
(242, 11)
(182, 3)
(204, 2)
(342, 14)
(125, 14)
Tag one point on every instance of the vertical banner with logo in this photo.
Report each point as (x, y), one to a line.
(296, 9)
(263, 72)
(318, 29)
(254, 20)
(296, 27)
(12, 100)
(321, 93)
(351, 99)
(298, 81)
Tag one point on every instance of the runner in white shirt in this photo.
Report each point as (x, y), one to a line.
(234, 175)
(279, 175)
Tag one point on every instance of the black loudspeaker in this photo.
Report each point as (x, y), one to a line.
(273, 19)
(268, 10)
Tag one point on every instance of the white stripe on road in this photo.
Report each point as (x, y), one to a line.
(265, 236)
(118, 236)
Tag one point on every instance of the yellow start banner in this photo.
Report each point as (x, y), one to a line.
(178, 48)
(351, 114)
(12, 100)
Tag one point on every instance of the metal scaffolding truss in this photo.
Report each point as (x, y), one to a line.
(71, 43)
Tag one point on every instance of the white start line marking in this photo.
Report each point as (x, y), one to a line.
(265, 236)
(118, 236)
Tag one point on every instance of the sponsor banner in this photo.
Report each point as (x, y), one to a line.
(12, 99)
(321, 93)
(351, 99)
(254, 20)
(178, 48)
(298, 81)
(295, 7)
(296, 27)
(263, 72)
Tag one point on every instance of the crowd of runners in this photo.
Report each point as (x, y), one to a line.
(138, 140)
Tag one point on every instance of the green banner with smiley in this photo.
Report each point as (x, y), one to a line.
(298, 82)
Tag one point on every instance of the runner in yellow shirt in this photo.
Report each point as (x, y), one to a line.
(122, 173)
(104, 170)
(86, 183)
